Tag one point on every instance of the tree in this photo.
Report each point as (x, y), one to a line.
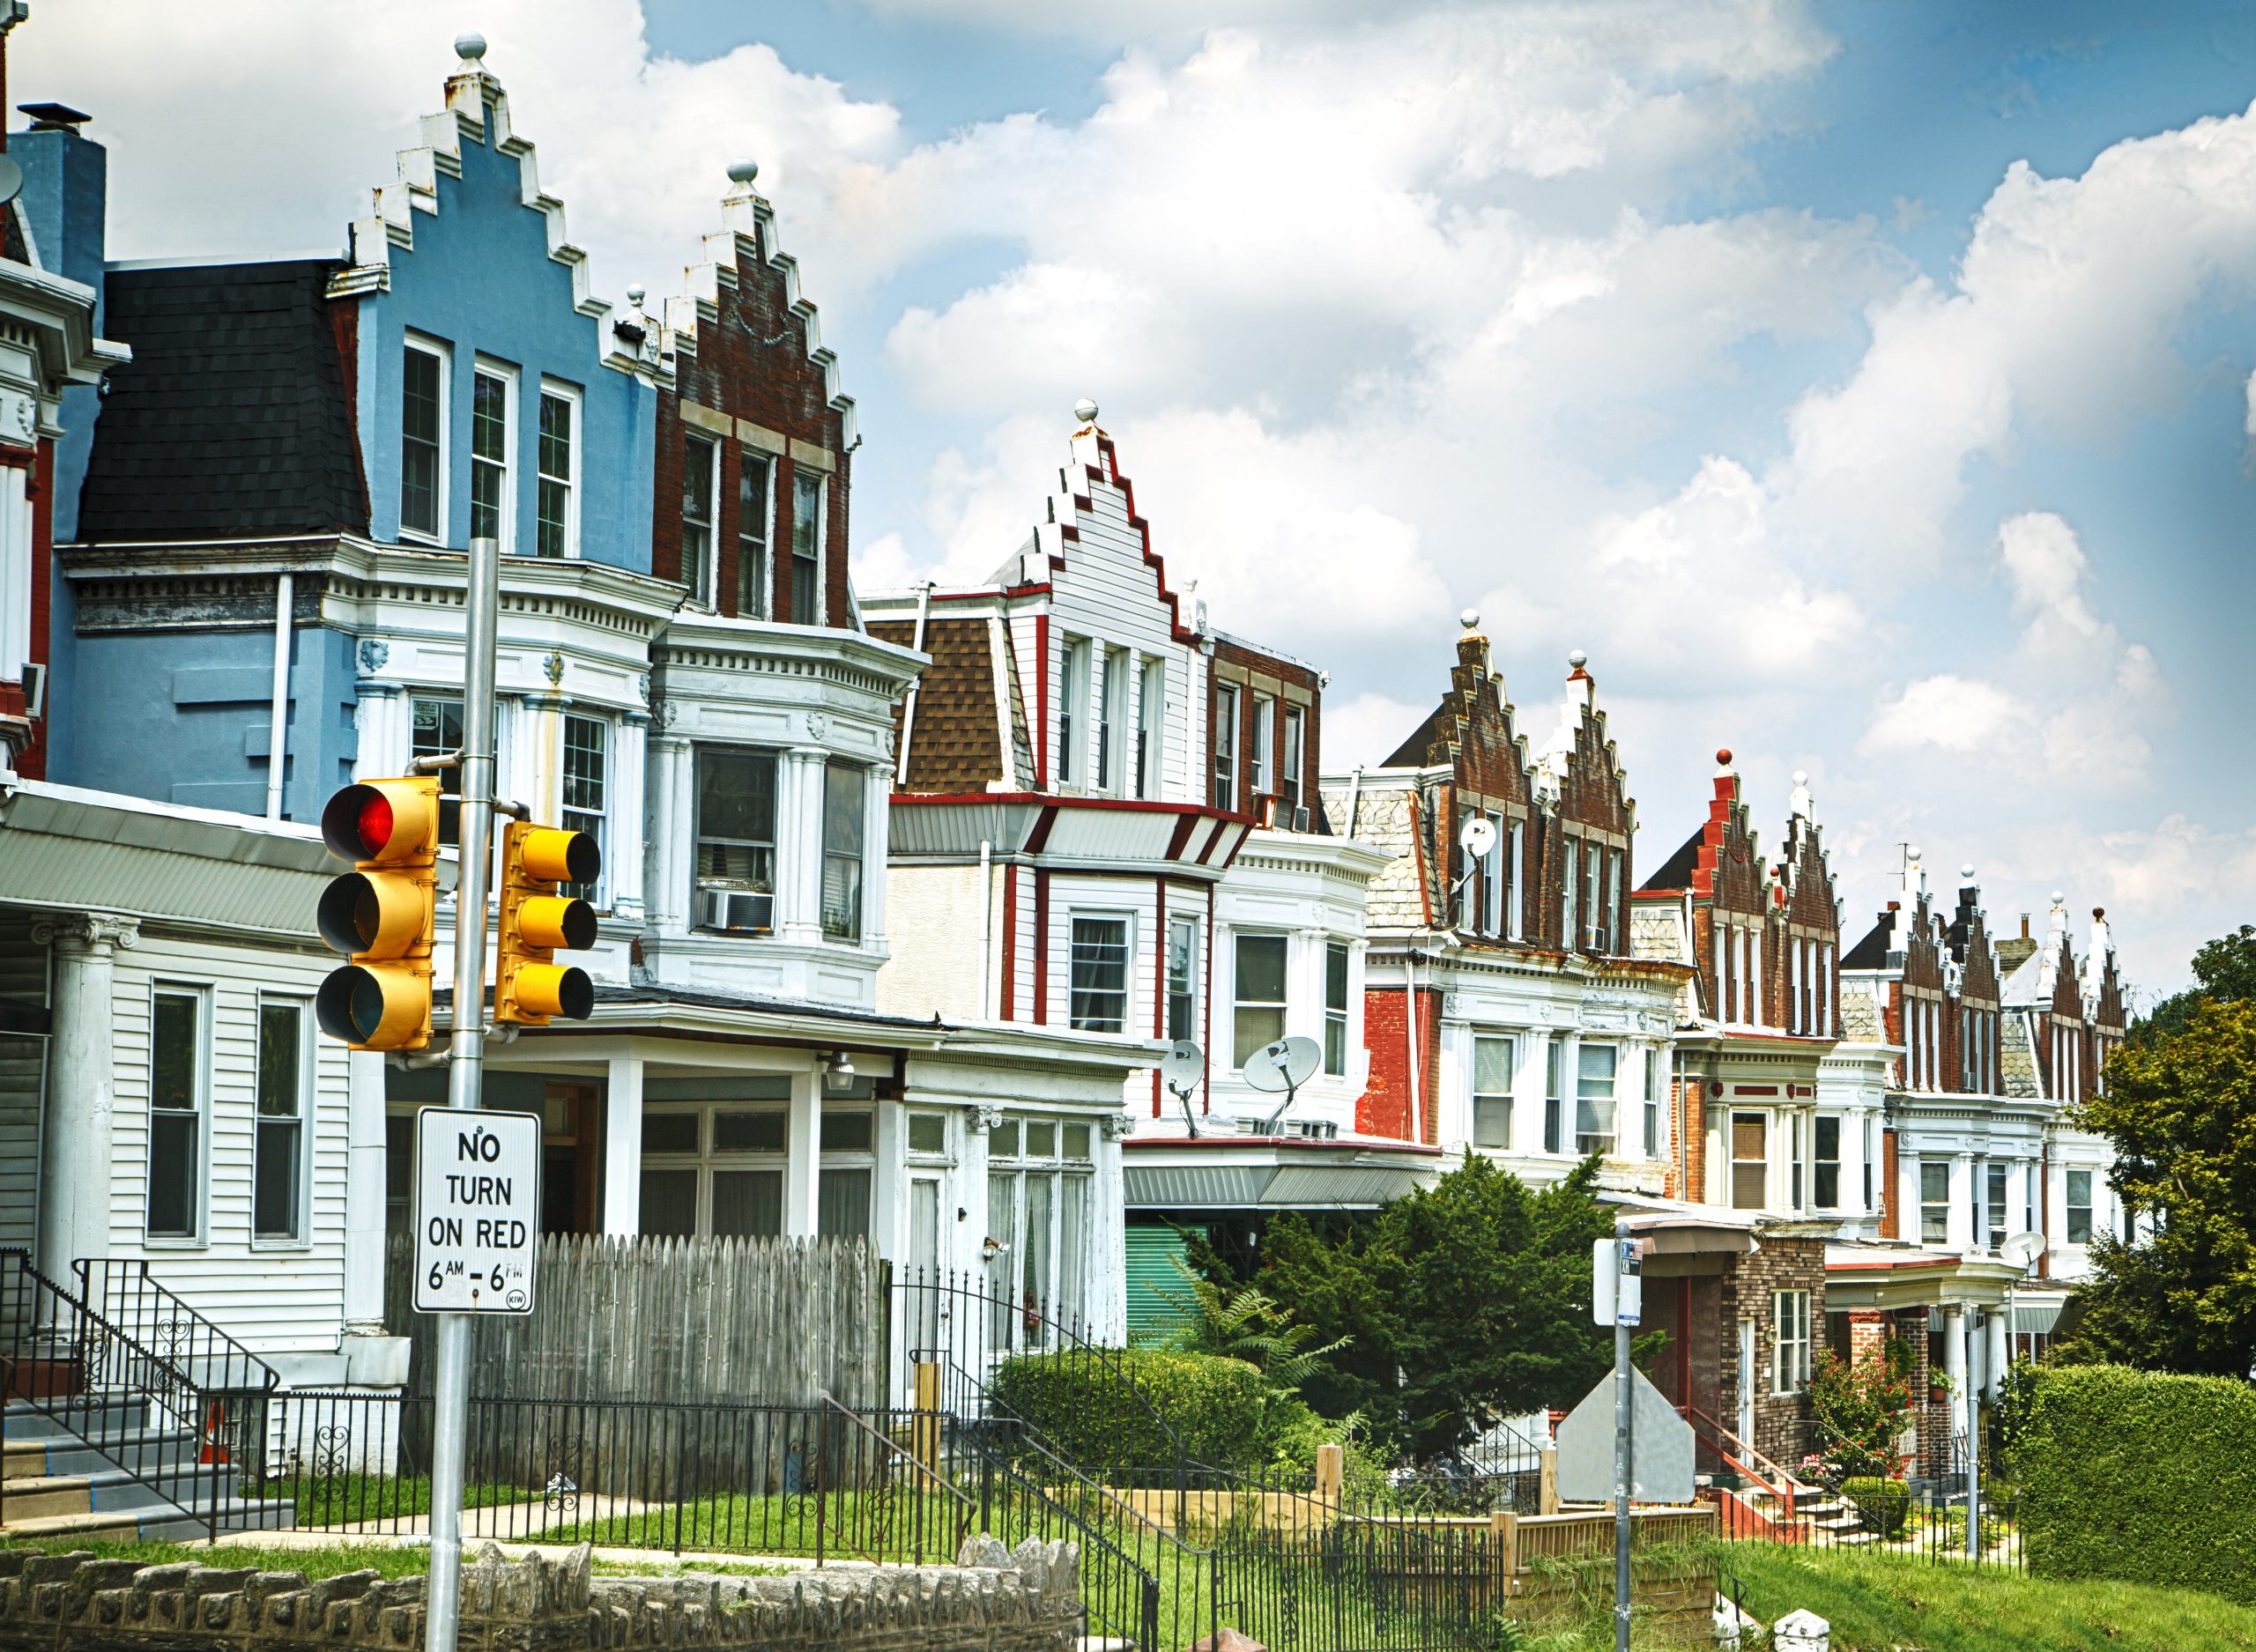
(1455, 1305)
(1244, 1324)
(2180, 1108)
(2226, 971)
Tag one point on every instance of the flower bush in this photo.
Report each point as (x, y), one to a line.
(1860, 1408)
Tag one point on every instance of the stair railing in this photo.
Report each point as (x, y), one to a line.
(137, 1408)
(1743, 1458)
(122, 1291)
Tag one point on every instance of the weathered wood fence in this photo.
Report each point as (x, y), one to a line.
(743, 1321)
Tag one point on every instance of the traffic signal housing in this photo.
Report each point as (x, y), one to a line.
(537, 922)
(380, 914)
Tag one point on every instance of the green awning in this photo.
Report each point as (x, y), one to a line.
(2035, 1317)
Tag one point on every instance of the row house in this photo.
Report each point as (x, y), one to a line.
(1105, 819)
(265, 578)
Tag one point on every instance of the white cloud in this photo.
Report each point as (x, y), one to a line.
(1948, 711)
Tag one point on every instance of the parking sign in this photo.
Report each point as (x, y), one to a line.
(477, 1210)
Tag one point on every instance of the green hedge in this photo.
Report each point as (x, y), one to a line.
(2141, 1476)
(1220, 1410)
(1882, 1505)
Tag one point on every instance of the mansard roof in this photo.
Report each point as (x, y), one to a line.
(957, 742)
(233, 418)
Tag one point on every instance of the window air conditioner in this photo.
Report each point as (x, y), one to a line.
(1300, 819)
(741, 910)
(1265, 809)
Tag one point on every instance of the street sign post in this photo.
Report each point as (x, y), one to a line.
(477, 1210)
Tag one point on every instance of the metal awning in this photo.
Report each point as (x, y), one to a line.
(2036, 1315)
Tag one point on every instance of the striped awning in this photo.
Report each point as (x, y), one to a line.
(2036, 1315)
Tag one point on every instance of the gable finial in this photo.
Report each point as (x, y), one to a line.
(1084, 412)
(471, 47)
(1802, 803)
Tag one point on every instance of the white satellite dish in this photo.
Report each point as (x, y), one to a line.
(1285, 1065)
(2023, 1248)
(12, 180)
(1477, 837)
(1181, 1070)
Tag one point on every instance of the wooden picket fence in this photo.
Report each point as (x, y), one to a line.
(746, 1322)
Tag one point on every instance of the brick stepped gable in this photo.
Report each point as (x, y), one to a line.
(60, 1485)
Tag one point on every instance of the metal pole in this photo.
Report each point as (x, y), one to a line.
(278, 726)
(1973, 1447)
(481, 603)
(1623, 1395)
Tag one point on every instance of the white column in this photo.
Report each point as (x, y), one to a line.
(798, 846)
(79, 1137)
(381, 719)
(803, 1161)
(1853, 1163)
(1953, 1364)
(667, 848)
(622, 1147)
(1908, 1219)
(1358, 1052)
(1994, 1369)
(877, 798)
(364, 1193)
(623, 856)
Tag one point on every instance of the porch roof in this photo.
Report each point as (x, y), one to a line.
(1171, 1173)
(1866, 1274)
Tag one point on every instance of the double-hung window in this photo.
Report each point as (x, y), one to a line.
(1510, 880)
(1258, 1013)
(1934, 1203)
(422, 441)
(1569, 937)
(1099, 982)
(277, 1150)
(434, 729)
(1335, 1008)
(1656, 1074)
(1994, 1188)
(587, 755)
(1151, 717)
(1072, 708)
(493, 394)
(736, 841)
(177, 1066)
(806, 546)
(755, 483)
(1226, 747)
(1492, 1091)
(2079, 1202)
(1265, 721)
(1296, 743)
(1555, 1096)
(701, 470)
(1111, 708)
(844, 808)
(1494, 874)
(1827, 1190)
(1750, 1160)
(556, 527)
(1182, 978)
(1594, 1075)
(1789, 1341)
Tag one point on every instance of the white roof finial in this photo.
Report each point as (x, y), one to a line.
(1084, 412)
(743, 173)
(1470, 620)
(470, 48)
(1802, 803)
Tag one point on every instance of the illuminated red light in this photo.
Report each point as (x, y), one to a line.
(375, 823)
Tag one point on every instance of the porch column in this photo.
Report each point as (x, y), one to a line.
(623, 855)
(364, 1193)
(622, 1147)
(1993, 1367)
(667, 851)
(798, 846)
(1953, 1364)
(803, 1159)
(78, 1141)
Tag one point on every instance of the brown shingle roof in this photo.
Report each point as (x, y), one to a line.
(952, 746)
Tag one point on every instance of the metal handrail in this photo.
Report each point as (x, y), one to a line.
(1787, 1490)
(121, 1275)
(889, 1452)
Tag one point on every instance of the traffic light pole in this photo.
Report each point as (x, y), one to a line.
(466, 1054)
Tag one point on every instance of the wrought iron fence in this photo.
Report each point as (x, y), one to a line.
(1923, 1518)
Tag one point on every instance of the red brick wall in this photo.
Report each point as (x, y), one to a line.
(1253, 661)
(1781, 1425)
(1383, 1109)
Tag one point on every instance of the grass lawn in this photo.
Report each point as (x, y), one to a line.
(1880, 1603)
(400, 1562)
(345, 1499)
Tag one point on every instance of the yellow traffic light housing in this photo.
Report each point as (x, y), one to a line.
(537, 922)
(380, 913)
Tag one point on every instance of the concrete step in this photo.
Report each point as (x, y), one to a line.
(111, 1489)
(160, 1523)
(155, 1450)
(94, 1416)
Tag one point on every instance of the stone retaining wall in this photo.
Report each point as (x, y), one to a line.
(1027, 1600)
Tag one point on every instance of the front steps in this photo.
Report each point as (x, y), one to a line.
(141, 1482)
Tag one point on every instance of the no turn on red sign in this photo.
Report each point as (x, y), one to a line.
(477, 1210)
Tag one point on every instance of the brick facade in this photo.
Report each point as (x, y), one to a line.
(1781, 1421)
(1383, 1109)
(1286, 685)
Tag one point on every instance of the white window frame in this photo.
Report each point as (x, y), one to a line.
(746, 456)
(1261, 764)
(1070, 1179)
(1613, 1099)
(708, 1161)
(200, 1199)
(1177, 924)
(1818, 1161)
(512, 437)
(1111, 717)
(1656, 1071)
(1513, 863)
(598, 895)
(1221, 768)
(1127, 920)
(572, 399)
(1477, 1095)
(443, 353)
(1282, 1005)
(1151, 725)
(301, 1170)
(2069, 1205)
(1343, 1015)
(1493, 880)
(1074, 707)
(1289, 766)
(1789, 1341)
(1927, 1204)
(821, 615)
(712, 571)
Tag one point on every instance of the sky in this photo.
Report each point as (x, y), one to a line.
(1869, 388)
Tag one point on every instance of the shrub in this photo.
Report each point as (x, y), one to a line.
(2141, 1476)
(1882, 1504)
(1099, 1413)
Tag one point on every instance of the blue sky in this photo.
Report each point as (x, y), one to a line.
(1865, 387)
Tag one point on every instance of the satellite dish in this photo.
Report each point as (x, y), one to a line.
(2022, 1249)
(1181, 1069)
(12, 180)
(1478, 837)
(1285, 1065)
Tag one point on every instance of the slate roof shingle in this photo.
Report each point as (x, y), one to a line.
(232, 418)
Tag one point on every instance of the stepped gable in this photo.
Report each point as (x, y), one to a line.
(2103, 1005)
(234, 417)
(1074, 511)
(478, 113)
(1580, 777)
(1808, 900)
(1967, 937)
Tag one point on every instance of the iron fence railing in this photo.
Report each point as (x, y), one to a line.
(125, 1292)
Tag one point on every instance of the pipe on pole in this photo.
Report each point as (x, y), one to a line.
(466, 1057)
(1624, 1395)
(278, 726)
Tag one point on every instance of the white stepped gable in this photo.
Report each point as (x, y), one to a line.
(748, 231)
(470, 94)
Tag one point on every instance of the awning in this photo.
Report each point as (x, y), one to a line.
(2035, 1317)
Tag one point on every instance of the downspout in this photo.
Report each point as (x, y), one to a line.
(278, 731)
(986, 909)
(908, 712)
(1355, 797)
(1410, 1032)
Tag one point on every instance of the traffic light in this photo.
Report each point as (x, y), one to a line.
(537, 922)
(380, 914)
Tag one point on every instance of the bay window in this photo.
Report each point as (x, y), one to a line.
(1934, 1203)
(1335, 1008)
(735, 859)
(1750, 1160)
(1594, 1073)
(2079, 1202)
(1182, 978)
(1098, 985)
(1492, 1091)
(844, 817)
(1259, 1009)
(1828, 1180)
(586, 776)
(1555, 1104)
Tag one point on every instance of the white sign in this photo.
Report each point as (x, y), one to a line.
(1617, 1286)
(477, 1210)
